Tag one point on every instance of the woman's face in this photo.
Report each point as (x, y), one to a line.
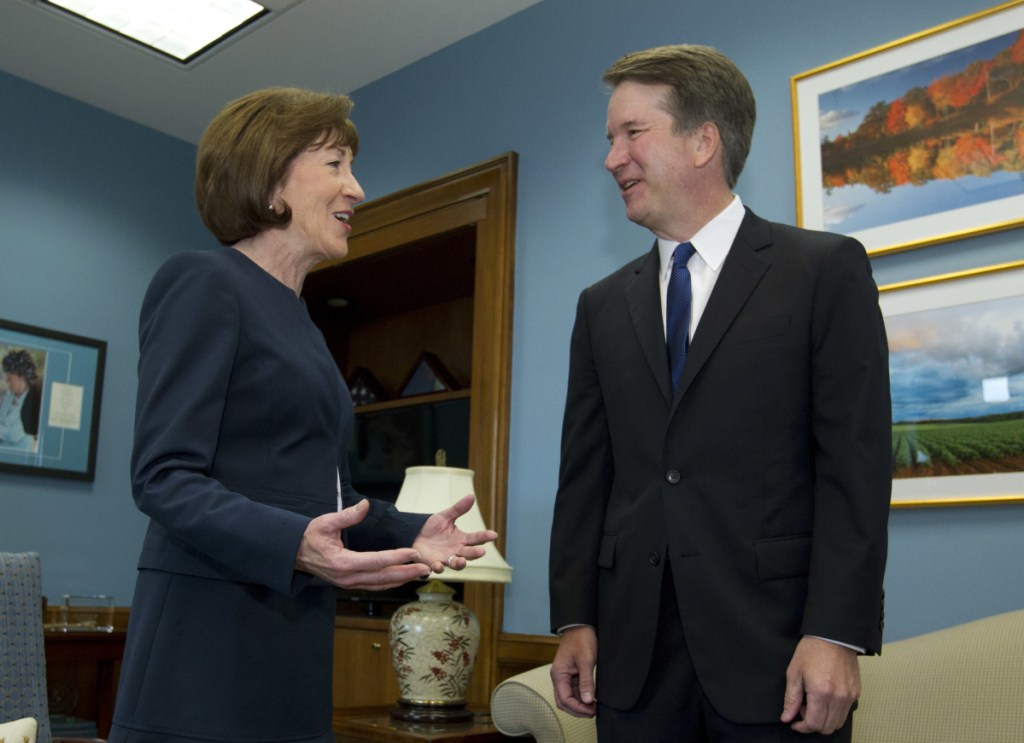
(15, 383)
(321, 191)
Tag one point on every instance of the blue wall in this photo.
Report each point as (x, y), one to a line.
(89, 205)
(532, 85)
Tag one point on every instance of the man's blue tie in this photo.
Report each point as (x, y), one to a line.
(677, 311)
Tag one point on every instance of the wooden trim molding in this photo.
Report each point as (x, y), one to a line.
(82, 617)
(481, 197)
(519, 652)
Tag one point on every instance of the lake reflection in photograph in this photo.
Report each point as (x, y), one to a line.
(945, 133)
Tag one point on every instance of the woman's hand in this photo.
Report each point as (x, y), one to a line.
(442, 544)
(322, 553)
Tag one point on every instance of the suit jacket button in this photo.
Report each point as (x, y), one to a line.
(673, 477)
(654, 558)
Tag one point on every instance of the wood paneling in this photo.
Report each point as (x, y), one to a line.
(438, 255)
(363, 675)
(518, 653)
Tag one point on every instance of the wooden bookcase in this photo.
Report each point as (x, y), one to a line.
(429, 269)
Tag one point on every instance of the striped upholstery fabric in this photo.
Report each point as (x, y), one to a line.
(963, 683)
(22, 658)
(525, 705)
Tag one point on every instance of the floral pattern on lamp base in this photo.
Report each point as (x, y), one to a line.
(434, 642)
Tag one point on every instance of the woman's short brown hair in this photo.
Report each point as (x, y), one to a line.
(245, 152)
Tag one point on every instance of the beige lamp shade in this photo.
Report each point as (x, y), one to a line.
(432, 489)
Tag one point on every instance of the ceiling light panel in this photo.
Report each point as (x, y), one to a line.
(178, 28)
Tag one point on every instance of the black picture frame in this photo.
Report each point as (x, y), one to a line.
(59, 410)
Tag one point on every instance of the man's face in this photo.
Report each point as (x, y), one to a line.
(653, 167)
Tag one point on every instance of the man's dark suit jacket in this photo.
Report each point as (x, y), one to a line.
(765, 480)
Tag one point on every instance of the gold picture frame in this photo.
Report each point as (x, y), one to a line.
(956, 342)
(918, 141)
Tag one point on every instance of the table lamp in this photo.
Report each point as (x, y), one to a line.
(434, 639)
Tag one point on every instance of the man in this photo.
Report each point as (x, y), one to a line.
(719, 541)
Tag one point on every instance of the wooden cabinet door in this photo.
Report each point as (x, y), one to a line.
(363, 675)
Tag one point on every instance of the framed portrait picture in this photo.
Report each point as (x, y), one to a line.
(49, 401)
(919, 141)
(956, 367)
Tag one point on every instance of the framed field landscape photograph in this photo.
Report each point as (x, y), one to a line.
(919, 141)
(49, 401)
(956, 367)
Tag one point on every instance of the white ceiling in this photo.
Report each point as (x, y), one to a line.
(332, 45)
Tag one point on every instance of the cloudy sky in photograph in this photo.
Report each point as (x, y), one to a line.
(957, 362)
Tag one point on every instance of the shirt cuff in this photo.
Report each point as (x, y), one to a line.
(560, 630)
(860, 650)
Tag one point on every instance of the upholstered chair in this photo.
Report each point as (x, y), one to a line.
(22, 657)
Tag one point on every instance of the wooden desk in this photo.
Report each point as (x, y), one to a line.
(82, 669)
(379, 726)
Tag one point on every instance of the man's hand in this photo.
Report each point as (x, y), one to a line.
(322, 553)
(572, 672)
(822, 684)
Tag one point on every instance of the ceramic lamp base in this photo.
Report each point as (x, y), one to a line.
(433, 647)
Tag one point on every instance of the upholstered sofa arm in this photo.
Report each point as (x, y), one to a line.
(18, 731)
(525, 705)
(962, 683)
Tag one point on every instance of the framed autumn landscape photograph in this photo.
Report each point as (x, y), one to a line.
(919, 141)
(956, 369)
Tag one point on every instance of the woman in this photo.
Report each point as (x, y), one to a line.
(19, 405)
(242, 421)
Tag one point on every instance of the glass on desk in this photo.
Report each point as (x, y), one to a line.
(86, 613)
